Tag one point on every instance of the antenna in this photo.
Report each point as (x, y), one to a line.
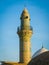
(42, 45)
(25, 3)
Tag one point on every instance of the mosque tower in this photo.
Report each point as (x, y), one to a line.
(25, 33)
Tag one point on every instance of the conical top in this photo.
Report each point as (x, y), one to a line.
(25, 10)
(25, 14)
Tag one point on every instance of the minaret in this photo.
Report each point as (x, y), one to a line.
(25, 33)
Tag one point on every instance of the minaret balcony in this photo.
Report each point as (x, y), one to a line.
(26, 28)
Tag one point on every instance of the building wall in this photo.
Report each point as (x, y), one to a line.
(12, 63)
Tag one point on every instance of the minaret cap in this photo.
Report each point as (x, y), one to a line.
(25, 14)
(25, 10)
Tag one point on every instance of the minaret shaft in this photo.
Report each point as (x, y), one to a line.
(25, 46)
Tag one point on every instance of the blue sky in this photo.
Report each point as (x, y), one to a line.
(10, 12)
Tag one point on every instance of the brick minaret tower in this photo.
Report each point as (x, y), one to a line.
(25, 33)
